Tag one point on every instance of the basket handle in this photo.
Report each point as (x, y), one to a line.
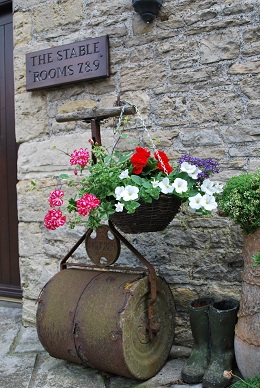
(118, 131)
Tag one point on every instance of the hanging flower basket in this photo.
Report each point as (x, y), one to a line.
(138, 191)
(148, 217)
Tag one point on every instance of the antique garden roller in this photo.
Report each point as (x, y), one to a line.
(116, 319)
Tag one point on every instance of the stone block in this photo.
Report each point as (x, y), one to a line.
(33, 200)
(219, 24)
(251, 87)
(23, 28)
(76, 106)
(200, 17)
(20, 73)
(251, 49)
(242, 132)
(141, 55)
(29, 312)
(252, 67)
(169, 109)
(26, 4)
(253, 110)
(147, 76)
(183, 297)
(41, 160)
(31, 118)
(55, 15)
(248, 150)
(59, 374)
(220, 106)
(30, 239)
(188, 6)
(254, 164)
(192, 137)
(205, 74)
(238, 8)
(16, 371)
(219, 46)
(36, 271)
(28, 341)
(252, 34)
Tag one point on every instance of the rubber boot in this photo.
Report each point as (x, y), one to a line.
(222, 319)
(198, 361)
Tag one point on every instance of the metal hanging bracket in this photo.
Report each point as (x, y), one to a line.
(95, 116)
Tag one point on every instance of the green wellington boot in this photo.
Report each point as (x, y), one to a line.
(222, 319)
(198, 361)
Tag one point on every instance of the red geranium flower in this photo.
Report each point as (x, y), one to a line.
(54, 219)
(80, 157)
(139, 159)
(161, 155)
(144, 151)
(165, 167)
(163, 160)
(87, 203)
(55, 198)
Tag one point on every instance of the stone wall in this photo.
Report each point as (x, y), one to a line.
(194, 74)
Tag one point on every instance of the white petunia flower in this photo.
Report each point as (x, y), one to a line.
(119, 207)
(187, 167)
(209, 202)
(118, 192)
(208, 187)
(165, 186)
(155, 183)
(180, 185)
(130, 193)
(196, 201)
(218, 187)
(124, 174)
(194, 175)
(190, 169)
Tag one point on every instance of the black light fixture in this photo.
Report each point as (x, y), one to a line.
(147, 9)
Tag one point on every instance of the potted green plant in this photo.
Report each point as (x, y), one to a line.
(240, 200)
(123, 184)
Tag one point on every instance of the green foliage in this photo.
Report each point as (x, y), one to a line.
(240, 200)
(253, 382)
(122, 181)
(256, 259)
(32, 185)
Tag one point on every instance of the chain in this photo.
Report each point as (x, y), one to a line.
(148, 135)
(118, 128)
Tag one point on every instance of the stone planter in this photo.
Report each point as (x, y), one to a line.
(247, 331)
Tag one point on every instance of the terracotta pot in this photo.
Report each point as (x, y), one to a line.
(247, 332)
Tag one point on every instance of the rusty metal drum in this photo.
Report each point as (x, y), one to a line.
(100, 319)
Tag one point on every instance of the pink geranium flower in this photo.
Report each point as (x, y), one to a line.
(87, 203)
(55, 198)
(54, 219)
(80, 157)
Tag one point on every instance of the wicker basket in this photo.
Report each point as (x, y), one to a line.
(148, 217)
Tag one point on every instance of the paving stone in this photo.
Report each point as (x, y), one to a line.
(25, 364)
(10, 324)
(16, 371)
(28, 341)
(51, 372)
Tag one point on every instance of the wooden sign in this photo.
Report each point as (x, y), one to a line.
(70, 63)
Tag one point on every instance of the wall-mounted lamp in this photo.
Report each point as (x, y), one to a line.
(147, 9)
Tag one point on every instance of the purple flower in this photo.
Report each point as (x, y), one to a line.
(207, 166)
